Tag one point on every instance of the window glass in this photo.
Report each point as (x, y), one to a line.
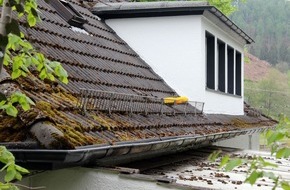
(210, 61)
(221, 65)
(238, 73)
(230, 70)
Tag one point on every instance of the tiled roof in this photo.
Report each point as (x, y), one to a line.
(101, 61)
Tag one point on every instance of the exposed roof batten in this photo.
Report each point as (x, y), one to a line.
(164, 8)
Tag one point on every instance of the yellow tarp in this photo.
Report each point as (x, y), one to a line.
(176, 100)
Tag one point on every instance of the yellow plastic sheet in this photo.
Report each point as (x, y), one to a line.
(176, 100)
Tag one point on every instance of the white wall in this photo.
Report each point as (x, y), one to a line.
(248, 142)
(89, 179)
(175, 48)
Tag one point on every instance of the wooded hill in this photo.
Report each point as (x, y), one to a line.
(266, 87)
(268, 23)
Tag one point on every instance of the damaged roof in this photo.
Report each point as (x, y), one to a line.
(98, 59)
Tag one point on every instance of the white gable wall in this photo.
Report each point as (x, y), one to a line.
(175, 48)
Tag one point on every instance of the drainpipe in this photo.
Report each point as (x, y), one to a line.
(250, 142)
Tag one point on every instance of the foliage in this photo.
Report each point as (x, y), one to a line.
(26, 57)
(258, 167)
(267, 22)
(22, 57)
(271, 94)
(19, 55)
(13, 171)
(226, 6)
(17, 97)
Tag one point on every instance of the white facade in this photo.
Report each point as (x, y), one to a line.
(246, 142)
(174, 46)
(80, 178)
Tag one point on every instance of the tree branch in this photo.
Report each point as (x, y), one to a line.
(5, 18)
(32, 188)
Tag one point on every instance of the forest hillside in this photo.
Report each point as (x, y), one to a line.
(267, 88)
(268, 23)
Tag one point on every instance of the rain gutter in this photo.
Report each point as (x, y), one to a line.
(86, 155)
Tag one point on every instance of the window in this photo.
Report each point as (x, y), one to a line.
(210, 61)
(238, 73)
(224, 71)
(230, 70)
(68, 13)
(221, 65)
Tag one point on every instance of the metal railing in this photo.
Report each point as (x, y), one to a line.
(97, 100)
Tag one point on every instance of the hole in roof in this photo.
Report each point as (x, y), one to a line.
(79, 30)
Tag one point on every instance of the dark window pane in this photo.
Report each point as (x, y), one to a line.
(230, 70)
(221, 66)
(238, 73)
(210, 61)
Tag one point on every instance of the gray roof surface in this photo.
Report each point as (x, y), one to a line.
(192, 170)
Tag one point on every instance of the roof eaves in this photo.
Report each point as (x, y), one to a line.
(149, 9)
(54, 159)
(154, 9)
(231, 24)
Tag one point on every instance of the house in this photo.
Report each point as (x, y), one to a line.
(194, 47)
(113, 110)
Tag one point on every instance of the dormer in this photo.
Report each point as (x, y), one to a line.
(195, 48)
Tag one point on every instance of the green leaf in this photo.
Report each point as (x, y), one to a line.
(25, 106)
(18, 176)
(64, 80)
(31, 19)
(269, 164)
(25, 44)
(276, 136)
(254, 176)
(283, 153)
(12, 111)
(265, 163)
(10, 175)
(21, 169)
(213, 156)
(232, 164)
(50, 77)
(17, 62)
(224, 161)
(42, 74)
(2, 103)
(285, 185)
(16, 73)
